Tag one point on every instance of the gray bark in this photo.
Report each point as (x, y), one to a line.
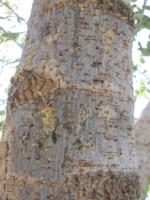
(69, 127)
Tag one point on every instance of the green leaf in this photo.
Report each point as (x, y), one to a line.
(145, 51)
(143, 90)
(135, 67)
(149, 189)
(142, 60)
(2, 112)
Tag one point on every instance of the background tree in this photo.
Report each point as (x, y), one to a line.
(143, 147)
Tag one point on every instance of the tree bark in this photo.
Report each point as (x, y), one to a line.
(69, 126)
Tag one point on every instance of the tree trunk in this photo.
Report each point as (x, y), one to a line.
(70, 109)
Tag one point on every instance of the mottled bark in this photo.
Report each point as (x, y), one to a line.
(70, 107)
(142, 133)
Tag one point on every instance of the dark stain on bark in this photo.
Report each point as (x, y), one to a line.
(54, 137)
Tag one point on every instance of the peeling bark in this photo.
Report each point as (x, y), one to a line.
(70, 108)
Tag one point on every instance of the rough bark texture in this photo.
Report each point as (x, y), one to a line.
(70, 109)
(142, 132)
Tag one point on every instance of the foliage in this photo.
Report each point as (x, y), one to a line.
(142, 23)
(143, 89)
(10, 23)
(149, 189)
(10, 38)
(8, 10)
